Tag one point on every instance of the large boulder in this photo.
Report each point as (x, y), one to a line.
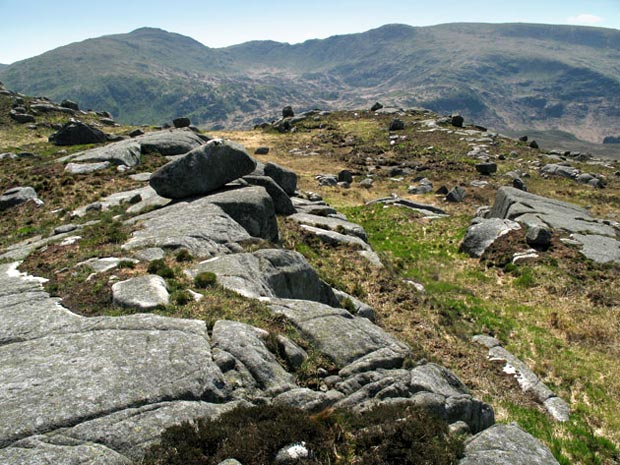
(202, 170)
(170, 141)
(483, 233)
(270, 273)
(77, 133)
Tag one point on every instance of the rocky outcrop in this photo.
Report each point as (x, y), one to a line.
(599, 238)
(483, 232)
(17, 196)
(127, 152)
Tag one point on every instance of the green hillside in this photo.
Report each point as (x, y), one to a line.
(507, 76)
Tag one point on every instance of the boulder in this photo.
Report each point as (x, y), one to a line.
(397, 125)
(242, 341)
(565, 171)
(70, 104)
(136, 132)
(281, 201)
(77, 133)
(170, 141)
(17, 196)
(143, 292)
(345, 176)
(486, 168)
(270, 273)
(308, 400)
(182, 122)
(252, 207)
(538, 236)
(457, 121)
(202, 170)
(483, 233)
(506, 444)
(284, 177)
(518, 183)
(287, 112)
(261, 151)
(376, 106)
(21, 118)
(126, 153)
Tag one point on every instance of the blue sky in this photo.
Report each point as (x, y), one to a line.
(31, 27)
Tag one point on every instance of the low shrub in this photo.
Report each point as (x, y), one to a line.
(159, 267)
(205, 279)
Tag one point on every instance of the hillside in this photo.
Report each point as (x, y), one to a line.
(376, 310)
(510, 76)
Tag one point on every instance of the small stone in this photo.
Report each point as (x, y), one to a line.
(517, 183)
(143, 292)
(534, 144)
(287, 112)
(376, 106)
(523, 138)
(539, 236)
(261, 151)
(366, 183)
(443, 190)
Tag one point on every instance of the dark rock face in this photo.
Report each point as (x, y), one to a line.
(202, 170)
(182, 122)
(284, 177)
(76, 133)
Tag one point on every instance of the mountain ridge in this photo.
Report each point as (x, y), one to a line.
(510, 76)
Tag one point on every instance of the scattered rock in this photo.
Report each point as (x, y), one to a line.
(77, 133)
(17, 196)
(457, 121)
(287, 112)
(136, 132)
(202, 170)
(334, 224)
(70, 104)
(261, 151)
(534, 145)
(366, 183)
(182, 122)
(376, 106)
(457, 194)
(22, 118)
(518, 183)
(487, 168)
(143, 292)
(345, 176)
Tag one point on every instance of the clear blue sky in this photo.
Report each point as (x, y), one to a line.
(31, 27)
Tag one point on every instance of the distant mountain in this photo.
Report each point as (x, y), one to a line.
(3, 66)
(506, 76)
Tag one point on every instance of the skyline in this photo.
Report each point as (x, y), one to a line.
(217, 24)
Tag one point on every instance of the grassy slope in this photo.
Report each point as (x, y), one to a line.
(559, 314)
(513, 75)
